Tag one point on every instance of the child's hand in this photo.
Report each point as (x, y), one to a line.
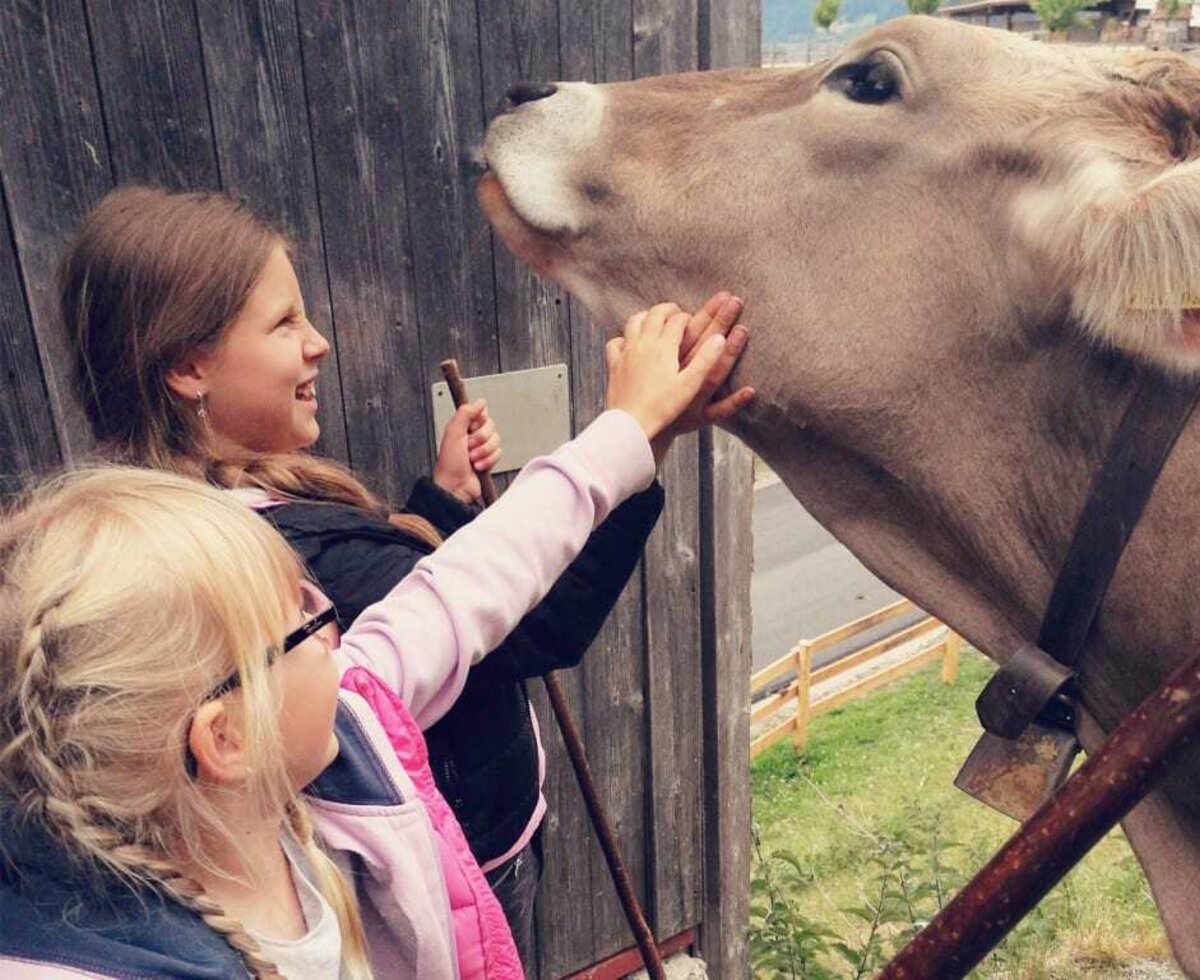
(470, 446)
(644, 374)
(718, 316)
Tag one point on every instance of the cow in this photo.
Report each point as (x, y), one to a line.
(958, 248)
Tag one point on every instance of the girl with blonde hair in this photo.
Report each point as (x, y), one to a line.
(194, 354)
(181, 722)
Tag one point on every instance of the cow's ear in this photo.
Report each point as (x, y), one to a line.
(1133, 261)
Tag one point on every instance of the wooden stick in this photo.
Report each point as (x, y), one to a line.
(579, 760)
(458, 392)
(1105, 788)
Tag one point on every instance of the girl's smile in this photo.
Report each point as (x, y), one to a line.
(259, 384)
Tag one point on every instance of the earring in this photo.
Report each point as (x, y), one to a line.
(201, 411)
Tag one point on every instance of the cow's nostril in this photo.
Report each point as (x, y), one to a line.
(528, 92)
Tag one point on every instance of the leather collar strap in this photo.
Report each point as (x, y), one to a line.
(1152, 423)
(1020, 691)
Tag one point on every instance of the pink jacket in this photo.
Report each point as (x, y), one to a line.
(406, 659)
(483, 944)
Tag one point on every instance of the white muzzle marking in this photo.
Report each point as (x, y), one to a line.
(533, 150)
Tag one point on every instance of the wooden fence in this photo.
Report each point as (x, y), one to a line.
(349, 124)
(800, 660)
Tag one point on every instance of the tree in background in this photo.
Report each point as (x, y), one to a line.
(826, 12)
(1058, 15)
(1171, 8)
(922, 6)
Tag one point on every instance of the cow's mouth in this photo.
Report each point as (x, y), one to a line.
(541, 250)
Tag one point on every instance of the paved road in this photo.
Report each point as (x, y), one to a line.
(804, 582)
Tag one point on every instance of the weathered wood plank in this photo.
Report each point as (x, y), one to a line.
(615, 719)
(151, 76)
(355, 80)
(442, 119)
(730, 33)
(531, 313)
(564, 915)
(54, 161)
(726, 504)
(264, 151)
(27, 442)
(594, 40)
(673, 695)
(533, 328)
(580, 917)
(594, 45)
(665, 37)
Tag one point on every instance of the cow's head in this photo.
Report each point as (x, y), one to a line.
(932, 174)
(940, 216)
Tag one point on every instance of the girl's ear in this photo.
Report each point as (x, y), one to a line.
(216, 743)
(188, 377)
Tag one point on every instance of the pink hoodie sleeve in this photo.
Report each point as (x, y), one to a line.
(460, 602)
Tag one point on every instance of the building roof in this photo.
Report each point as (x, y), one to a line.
(1018, 6)
(984, 7)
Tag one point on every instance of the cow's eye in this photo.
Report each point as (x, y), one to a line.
(872, 82)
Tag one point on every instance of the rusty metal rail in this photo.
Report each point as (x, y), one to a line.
(1051, 842)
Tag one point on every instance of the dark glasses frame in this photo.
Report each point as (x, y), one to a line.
(234, 680)
(290, 642)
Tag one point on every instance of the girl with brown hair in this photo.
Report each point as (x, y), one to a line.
(194, 354)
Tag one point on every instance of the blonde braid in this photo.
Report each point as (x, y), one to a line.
(88, 825)
(145, 865)
(35, 733)
(338, 892)
(191, 894)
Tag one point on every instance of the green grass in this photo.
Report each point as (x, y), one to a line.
(877, 775)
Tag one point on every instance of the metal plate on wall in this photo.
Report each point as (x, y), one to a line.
(532, 410)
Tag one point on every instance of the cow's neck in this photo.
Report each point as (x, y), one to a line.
(971, 515)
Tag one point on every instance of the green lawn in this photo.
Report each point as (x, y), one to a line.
(864, 833)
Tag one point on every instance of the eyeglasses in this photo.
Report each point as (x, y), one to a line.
(320, 612)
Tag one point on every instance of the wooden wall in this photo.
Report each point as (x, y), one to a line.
(349, 124)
